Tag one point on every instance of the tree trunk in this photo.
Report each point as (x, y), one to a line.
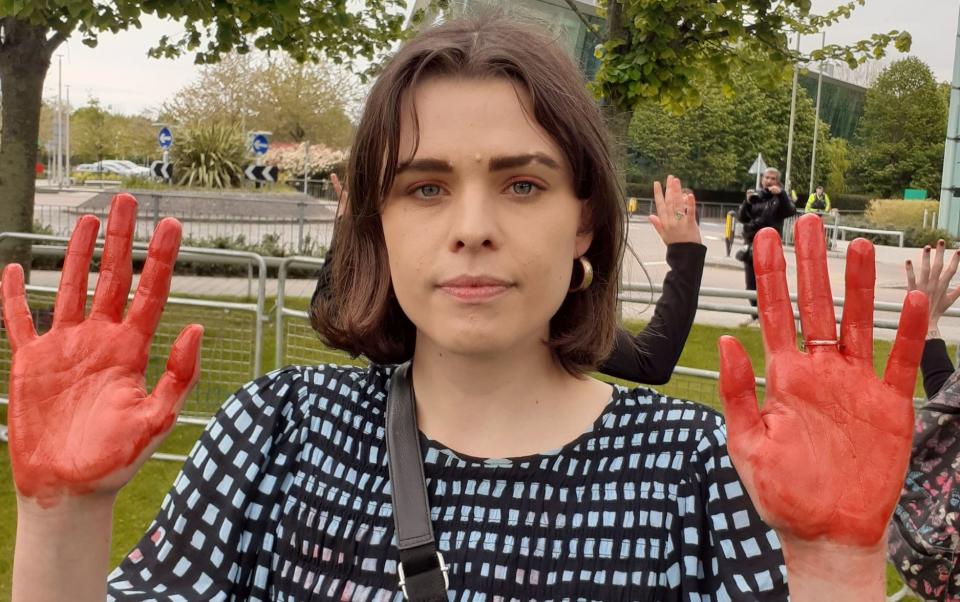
(24, 60)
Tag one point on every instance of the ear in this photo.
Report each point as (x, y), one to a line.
(585, 229)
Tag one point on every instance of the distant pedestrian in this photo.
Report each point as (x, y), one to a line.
(763, 208)
(819, 202)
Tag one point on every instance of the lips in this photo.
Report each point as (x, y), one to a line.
(474, 288)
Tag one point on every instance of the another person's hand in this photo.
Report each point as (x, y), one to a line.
(934, 280)
(343, 203)
(81, 420)
(825, 458)
(675, 219)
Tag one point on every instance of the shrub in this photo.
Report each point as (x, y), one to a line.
(209, 155)
(900, 214)
(850, 202)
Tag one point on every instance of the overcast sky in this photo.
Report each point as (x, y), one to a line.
(120, 74)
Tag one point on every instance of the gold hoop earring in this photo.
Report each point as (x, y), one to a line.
(587, 268)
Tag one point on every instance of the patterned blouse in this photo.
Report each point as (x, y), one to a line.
(286, 497)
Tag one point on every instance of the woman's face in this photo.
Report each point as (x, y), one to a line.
(482, 225)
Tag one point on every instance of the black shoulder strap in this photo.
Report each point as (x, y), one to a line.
(423, 573)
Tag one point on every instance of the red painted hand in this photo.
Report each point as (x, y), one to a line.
(826, 457)
(80, 418)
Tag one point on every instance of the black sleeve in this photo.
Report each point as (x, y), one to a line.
(744, 214)
(651, 356)
(935, 365)
(323, 275)
(785, 206)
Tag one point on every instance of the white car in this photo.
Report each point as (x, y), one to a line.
(119, 167)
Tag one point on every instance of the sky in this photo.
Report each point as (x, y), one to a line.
(119, 73)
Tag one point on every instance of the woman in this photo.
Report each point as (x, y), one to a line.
(482, 189)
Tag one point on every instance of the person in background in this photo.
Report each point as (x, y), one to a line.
(632, 357)
(819, 202)
(764, 208)
(923, 540)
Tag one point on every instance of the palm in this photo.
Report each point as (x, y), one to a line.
(80, 416)
(827, 454)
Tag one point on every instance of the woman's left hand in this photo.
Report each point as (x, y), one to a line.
(676, 213)
(825, 458)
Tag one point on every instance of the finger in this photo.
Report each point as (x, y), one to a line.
(116, 270)
(952, 296)
(814, 298)
(659, 202)
(658, 226)
(901, 372)
(690, 204)
(739, 395)
(935, 269)
(72, 293)
(949, 272)
(773, 297)
(337, 187)
(856, 329)
(911, 277)
(674, 193)
(924, 268)
(154, 286)
(16, 311)
(182, 373)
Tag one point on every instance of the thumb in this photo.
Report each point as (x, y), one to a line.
(738, 392)
(658, 226)
(183, 370)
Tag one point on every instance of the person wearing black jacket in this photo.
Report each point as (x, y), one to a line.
(764, 208)
(650, 356)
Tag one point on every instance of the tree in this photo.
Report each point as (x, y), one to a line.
(295, 101)
(836, 161)
(89, 132)
(711, 146)
(31, 30)
(899, 141)
(662, 50)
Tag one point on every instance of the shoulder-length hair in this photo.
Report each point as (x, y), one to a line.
(361, 314)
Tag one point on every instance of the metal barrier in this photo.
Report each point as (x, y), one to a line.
(232, 351)
(282, 311)
(293, 226)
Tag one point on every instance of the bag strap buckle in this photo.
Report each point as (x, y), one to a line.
(441, 565)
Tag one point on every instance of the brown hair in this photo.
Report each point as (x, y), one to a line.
(361, 315)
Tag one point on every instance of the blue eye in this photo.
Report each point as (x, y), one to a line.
(428, 190)
(524, 187)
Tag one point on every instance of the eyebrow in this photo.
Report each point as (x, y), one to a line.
(496, 163)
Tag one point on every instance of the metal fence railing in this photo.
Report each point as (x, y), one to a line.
(303, 227)
(233, 343)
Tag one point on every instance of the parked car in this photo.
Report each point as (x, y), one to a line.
(120, 167)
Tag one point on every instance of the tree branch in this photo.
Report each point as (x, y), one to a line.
(56, 39)
(583, 18)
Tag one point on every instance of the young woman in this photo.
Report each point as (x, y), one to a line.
(482, 191)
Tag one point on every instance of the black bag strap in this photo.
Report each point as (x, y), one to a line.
(423, 573)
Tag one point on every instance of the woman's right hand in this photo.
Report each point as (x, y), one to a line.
(80, 419)
(934, 280)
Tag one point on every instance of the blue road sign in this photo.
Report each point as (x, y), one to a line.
(165, 138)
(260, 144)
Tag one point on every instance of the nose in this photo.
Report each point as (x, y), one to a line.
(474, 220)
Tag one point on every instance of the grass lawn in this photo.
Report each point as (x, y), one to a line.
(140, 500)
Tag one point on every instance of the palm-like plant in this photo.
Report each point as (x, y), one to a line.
(209, 155)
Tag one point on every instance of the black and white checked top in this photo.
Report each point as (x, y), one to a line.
(286, 497)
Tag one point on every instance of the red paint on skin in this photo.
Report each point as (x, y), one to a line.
(81, 420)
(825, 458)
